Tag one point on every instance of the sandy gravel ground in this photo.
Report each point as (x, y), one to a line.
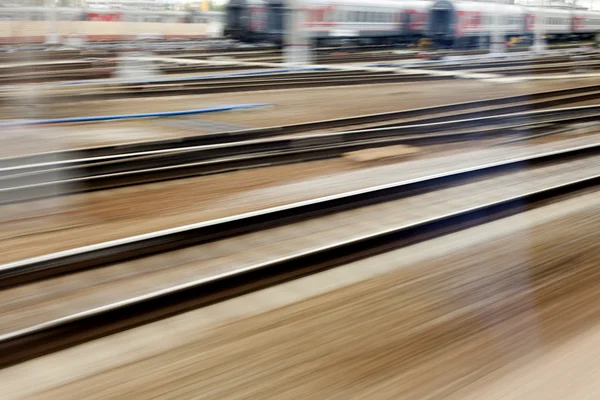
(431, 321)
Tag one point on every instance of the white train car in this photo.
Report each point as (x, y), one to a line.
(467, 24)
(449, 23)
(556, 23)
(464, 24)
(329, 21)
(586, 24)
(373, 22)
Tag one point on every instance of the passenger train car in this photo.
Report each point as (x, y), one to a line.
(381, 21)
(448, 23)
(465, 24)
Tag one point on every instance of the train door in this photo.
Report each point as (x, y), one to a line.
(529, 28)
(441, 23)
(405, 22)
(442, 18)
(234, 16)
(276, 17)
(236, 19)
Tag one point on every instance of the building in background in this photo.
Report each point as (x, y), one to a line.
(152, 5)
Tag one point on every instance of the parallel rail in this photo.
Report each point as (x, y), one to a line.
(249, 85)
(152, 166)
(434, 114)
(55, 334)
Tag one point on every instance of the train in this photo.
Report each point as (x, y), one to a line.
(446, 23)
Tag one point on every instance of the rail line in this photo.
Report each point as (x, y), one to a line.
(503, 187)
(447, 112)
(255, 84)
(247, 85)
(60, 178)
(434, 114)
(97, 68)
(254, 133)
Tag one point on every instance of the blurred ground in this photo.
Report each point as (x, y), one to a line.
(426, 322)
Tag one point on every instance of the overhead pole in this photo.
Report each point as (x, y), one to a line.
(297, 43)
(52, 33)
(539, 28)
(497, 38)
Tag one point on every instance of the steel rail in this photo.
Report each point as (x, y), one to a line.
(142, 245)
(79, 327)
(524, 102)
(163, 165)
(248, 87)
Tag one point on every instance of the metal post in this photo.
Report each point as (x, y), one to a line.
(298, 47)
(497, 39)
(539, 43)
(52, 34)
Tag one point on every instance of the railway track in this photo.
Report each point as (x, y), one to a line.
(266, 83)
(250, 84)
(97, 68)
(231, 85)
(183, 268)
(33, 177)
(487, 64)
(532, 101)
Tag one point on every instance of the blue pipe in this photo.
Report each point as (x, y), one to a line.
(130, 116)
(193, 78)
